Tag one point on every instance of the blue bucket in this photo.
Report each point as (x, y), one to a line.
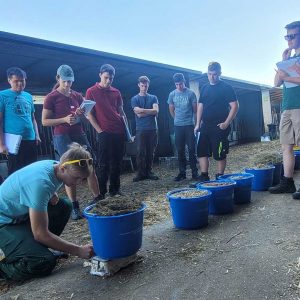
(189, 213)
(263, 178)
(297, 159)
(242, 189)
(116, 236)
(221, 201)
(277, 173)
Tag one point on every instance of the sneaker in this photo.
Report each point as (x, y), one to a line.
(116, 193)
(138, 178)
(152, 176)
(59, 254)
(179, 177)
(76, 214)
(203, 177)
(200, 179)
(97, 199)
(296, 195)
(286, 185)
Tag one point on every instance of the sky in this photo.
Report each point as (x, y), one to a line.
(245, 37)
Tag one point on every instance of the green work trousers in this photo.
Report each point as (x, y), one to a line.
(21, 256)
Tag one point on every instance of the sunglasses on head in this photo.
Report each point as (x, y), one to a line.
(80, 162)
(290, 37)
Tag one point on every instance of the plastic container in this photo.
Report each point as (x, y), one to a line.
(277, 173)
(189, 213)
(116, 236)
(297, 159)
(221, 201)
(263, 178)
(242, 189)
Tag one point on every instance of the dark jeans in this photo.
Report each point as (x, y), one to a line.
(146, 141)
(24, 256)
(184, 135)
(27, 155)
(110, 153)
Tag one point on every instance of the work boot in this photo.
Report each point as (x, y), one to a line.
(152, 176)
(296, 195)
(217, 175)
(76, 214)
(138, 178)
(286, 185)
(180, 177)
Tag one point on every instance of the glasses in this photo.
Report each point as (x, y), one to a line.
(80, 162)
(290, 37)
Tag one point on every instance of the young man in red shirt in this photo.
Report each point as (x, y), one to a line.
(107, 119)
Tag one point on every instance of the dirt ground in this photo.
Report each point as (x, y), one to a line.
(153, 193)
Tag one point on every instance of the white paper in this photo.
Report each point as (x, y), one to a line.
(287, 66)
(12, 142)
(87, 105)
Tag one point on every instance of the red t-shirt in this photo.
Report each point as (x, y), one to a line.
(108, 100)
(63, 106)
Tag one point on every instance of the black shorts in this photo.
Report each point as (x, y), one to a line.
(213, 142)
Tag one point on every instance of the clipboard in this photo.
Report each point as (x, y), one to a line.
(12, 142)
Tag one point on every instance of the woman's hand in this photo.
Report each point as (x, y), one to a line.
(86, 251)
(70, 119)
(79, 111)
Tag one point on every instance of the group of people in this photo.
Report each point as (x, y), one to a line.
(32, 216)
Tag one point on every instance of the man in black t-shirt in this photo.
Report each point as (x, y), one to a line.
(216, 109)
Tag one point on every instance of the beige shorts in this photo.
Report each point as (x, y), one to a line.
(290, 127)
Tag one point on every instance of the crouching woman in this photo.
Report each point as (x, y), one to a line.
(32, 217)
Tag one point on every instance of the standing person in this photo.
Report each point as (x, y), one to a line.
(183, 106)
(17, 117)
(217, 108)
(145, 107)
(289, 124)
(32, 216)
(107, 119)
(61, 110)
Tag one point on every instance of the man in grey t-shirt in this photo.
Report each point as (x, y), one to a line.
(183, 106)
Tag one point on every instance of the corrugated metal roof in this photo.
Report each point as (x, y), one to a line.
(40, 59)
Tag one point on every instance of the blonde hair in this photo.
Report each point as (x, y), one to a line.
(75, 152)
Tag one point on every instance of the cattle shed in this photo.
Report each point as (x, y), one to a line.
(41, 58)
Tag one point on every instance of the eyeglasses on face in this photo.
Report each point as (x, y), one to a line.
(80, 162)
(290, 37)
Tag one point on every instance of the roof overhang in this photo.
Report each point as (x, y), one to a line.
(41, 58)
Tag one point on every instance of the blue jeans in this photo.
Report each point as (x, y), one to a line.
(62, 141)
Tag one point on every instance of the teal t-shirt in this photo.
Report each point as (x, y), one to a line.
(291, 98)
(30, 187)
(17, 109)
(183, 103)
